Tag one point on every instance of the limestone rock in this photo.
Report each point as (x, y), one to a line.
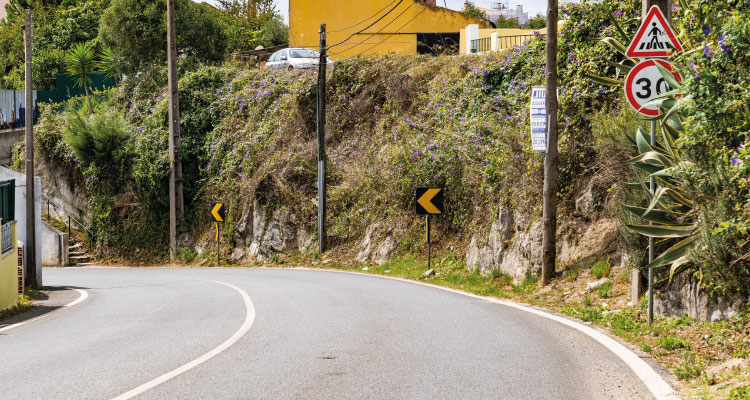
(596, 285)
(472, 255)
(684, 297)
(585, 203)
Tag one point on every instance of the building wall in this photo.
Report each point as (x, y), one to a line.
(485, 33)
(20, 178)
(9, 275)
(2, 8)
(397, 31)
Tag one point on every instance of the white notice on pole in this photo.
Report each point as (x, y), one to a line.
(538, 119)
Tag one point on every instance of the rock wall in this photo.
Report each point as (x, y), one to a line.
(514, 245)
(263, 231)
(684, 297)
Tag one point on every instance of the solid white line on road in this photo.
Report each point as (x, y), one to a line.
(83, 295)
(249, 319)
(653, 381)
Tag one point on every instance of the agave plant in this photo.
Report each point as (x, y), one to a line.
(671, 212)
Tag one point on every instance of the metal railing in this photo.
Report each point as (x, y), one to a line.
(6, 237)
(70, 218)
(506, 42)
(481, 45)
(484, 45)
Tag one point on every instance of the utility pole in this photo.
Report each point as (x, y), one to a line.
(664, 5)
(322, 142)
(176, 203)
(549, 214)
(30, 244)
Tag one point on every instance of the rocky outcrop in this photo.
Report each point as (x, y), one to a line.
(684, 297)
(510, 246)
(262, 232)
(379, 244)
(514, 245)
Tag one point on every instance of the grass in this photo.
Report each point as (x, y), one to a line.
(690, 367)
(601, 268)
(605, 290)
(24, 303)
(672, 343)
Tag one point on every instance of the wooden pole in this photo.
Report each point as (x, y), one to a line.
(664, 5)
(549, 214)
(30, 244)
(322, 142)
(176, 203)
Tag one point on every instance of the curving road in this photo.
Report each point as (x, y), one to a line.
(313, 335)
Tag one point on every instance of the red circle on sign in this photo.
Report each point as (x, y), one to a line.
(630, 88)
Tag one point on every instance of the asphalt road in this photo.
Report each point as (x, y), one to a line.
(315, 335)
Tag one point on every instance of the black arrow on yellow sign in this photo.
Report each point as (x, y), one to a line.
(429, 201)
(217, 212)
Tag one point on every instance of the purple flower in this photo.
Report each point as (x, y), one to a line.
(736, 162)
(706, 30)
(708, 51)
(618, 13)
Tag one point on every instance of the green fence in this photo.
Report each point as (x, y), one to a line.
(65, 88)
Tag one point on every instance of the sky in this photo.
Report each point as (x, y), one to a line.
(533, 7)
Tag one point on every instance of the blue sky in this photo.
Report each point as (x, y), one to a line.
(533, 7)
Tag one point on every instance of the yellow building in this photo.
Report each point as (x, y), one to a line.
(400, 26)
(8, 247)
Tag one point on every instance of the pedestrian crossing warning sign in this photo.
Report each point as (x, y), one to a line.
(655, 38)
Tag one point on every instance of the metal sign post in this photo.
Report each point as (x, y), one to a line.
(654, 38)
(429, 202)
(218, 214)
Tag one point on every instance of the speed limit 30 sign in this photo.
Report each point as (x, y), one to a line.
(645, 83)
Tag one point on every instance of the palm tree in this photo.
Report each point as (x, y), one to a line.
(110, 64)
(80, 64)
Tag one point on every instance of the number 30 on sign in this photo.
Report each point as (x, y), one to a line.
(645, 83)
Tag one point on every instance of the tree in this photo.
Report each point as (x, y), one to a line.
(472, 10)
(249, 23)
(136, 31)
(110, 64)
(537, 22)
(503, 22)
(274, 32)
(80, 63)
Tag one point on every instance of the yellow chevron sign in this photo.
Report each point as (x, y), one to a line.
(429, 201)
(217, 211)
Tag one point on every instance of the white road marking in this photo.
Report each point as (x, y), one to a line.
(249, 319)
(653, 381)
(83, 295)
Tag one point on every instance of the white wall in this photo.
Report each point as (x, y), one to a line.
(54, 245)
(7, 174)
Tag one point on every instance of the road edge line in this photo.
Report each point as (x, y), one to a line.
(655, 383)
(244, 328)
(83, 296)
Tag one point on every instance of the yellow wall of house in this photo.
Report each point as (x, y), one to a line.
(485, 33)
(9, 276)
(404, 22)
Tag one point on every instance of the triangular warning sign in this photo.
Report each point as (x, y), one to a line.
(654, 38)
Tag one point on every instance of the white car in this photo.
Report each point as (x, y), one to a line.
(295, 58)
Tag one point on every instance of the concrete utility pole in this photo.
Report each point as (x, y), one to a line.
(664, 5)
(549, 214)
(322, 142)
(30, 244)
(176, 203)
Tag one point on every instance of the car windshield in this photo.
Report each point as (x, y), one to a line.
(304, 53)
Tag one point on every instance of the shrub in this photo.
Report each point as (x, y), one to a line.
(671, 343)
(690, 367)
(601, 268)
(605, 290)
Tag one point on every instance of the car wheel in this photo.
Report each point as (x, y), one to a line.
(290, 68)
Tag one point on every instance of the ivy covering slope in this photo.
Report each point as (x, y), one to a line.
(394, 123)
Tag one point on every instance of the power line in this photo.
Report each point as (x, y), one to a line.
(386, 38)
(368, 26)
(381, 29)
(364, 20)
